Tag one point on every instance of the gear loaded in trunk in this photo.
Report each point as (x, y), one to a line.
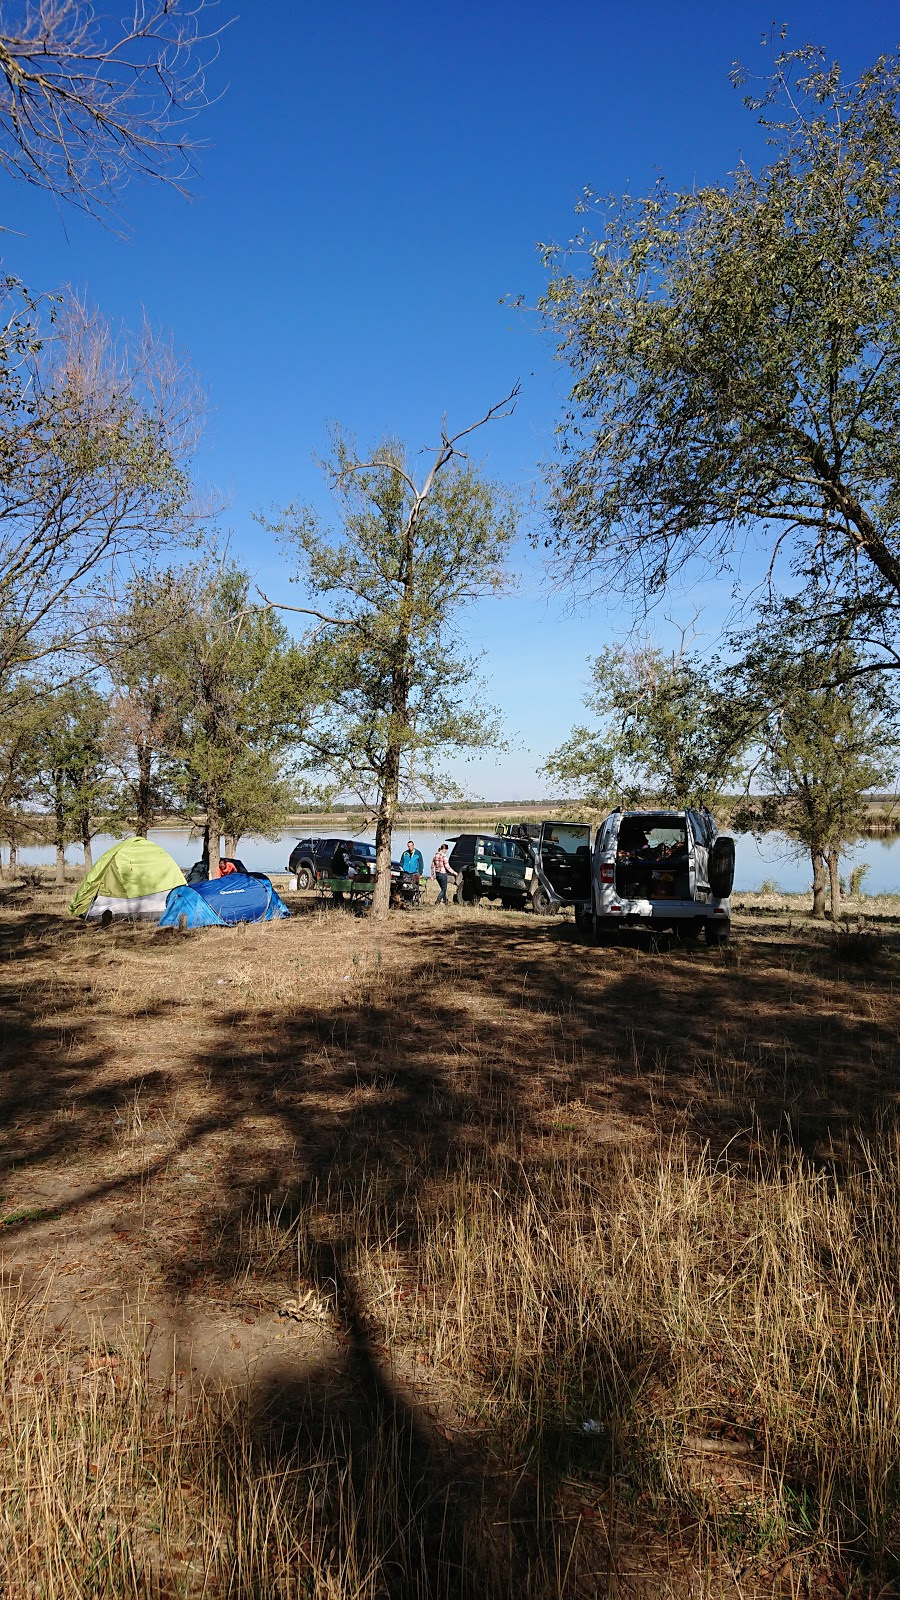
(652, 857)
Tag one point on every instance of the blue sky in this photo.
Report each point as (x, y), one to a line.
(375, 181)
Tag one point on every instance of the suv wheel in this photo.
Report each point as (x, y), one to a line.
(304, 878)
(540, 902)
(469, 890)
(716, 932)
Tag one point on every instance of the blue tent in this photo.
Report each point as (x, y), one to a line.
(237, 898)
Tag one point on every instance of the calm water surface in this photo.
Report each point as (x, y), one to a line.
(774, 859)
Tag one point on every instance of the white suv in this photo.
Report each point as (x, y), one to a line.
(662, 869)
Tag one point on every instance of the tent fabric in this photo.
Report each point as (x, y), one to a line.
(185, 902)
(222, 902)
(142, 908)
(126, 876)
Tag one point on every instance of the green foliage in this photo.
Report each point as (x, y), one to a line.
(241, 691)
(667, 733)
(71, 779)
(735, 355)
(858, 876)
(93, 445)
(826, 733)
(137, 648)
(18, 758)
(388, 593)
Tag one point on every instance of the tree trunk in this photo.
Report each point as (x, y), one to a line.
(833, 858)
(818, 866)
(60, 842)
(144, 789)
(387, 810)
(86, 843)
(212, 839)
(230, 844)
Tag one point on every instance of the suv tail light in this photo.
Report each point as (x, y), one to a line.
(607, 872)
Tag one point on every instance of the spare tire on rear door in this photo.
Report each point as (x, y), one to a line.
(721, 867)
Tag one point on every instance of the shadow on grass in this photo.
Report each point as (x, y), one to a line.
(368, 1107)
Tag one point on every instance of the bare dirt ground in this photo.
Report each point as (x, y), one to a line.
(201, 1131)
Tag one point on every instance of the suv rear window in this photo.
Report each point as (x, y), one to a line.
(652, 831)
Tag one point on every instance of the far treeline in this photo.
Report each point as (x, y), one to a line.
(735, 361)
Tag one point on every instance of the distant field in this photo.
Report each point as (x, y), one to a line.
(474, 812)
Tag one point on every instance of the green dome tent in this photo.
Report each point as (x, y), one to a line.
(131, 880)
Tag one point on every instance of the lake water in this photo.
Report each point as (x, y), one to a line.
(772, 859)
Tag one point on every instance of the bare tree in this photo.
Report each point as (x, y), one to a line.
(86, 104)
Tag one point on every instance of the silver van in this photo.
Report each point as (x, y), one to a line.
(662, 869)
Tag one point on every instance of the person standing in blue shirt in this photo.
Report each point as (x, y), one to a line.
(412, 860)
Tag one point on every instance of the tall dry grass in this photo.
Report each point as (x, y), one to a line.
(713, 1352)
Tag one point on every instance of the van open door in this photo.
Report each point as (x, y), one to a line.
(563, 854)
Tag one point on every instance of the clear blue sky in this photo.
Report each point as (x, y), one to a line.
(375, 181)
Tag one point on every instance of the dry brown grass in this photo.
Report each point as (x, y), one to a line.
(452, 1258)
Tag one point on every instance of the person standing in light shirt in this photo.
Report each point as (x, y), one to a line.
(440, 871)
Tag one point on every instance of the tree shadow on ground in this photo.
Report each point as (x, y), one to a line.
(346, 1123)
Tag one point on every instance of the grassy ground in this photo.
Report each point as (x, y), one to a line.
(448, 1258)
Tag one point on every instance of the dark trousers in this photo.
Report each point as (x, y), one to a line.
(442, 885)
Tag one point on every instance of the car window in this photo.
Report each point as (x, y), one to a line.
(697, 828)
(608, 833)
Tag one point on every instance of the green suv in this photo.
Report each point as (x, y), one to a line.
(543, 865)
(492, 869)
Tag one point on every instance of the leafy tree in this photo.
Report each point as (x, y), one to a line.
(94, 441)
(137, 647)
(71, 779)
(242, 687)
(736, 357)
(18, 731)
(397, 694)
(667, 733)
(825, 733)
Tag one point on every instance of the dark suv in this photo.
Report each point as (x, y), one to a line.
(492, 869)
(310, 856)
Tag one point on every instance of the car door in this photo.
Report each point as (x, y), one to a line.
(489, 863)
(512, 869)
(604, 862)
(564, 857)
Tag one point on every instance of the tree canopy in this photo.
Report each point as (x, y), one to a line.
(387, 592)
(666, 733)
(736, 358)
(823, 730)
